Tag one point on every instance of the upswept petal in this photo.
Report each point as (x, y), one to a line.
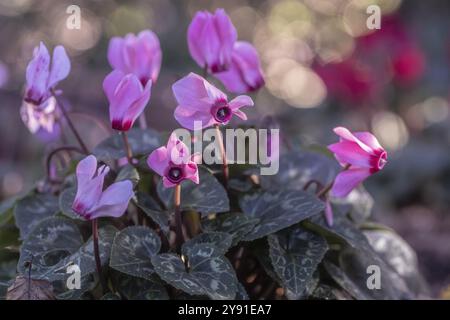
(347, 180)
(60, 67)
(158, 160)
(345, 134)
(114, 200)
(37, 73)
(347, 152)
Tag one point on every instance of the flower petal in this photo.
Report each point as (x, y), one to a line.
(114, 200)
(347, 152)
(139, 105)
(115, 53)
(368, 139)
(60, 66)
(347, 180)
(158, 160)
(241, 101)
(37, 73)
(195, 93)
(191, 171)
(187, 118)
(345, 134)
(167, 183)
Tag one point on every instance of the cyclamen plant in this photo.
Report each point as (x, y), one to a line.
(165, 226)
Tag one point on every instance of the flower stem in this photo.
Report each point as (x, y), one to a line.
(180, 236)
(223, 154)
(126, 144)
(98, 262)
(53, 153)
(69, 122)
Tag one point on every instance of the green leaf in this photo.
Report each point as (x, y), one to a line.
(221, 240)
(295, 255)
(133, 288)
(208, 272)
(277, 210)
(128, 172)
(55, 244)
(241, 293)
(25, 288)
(207, 197)
(345, 282)
(238, 225)
(342, 231)
(400, 257)
(298, 168)
(32, 209)
(49, 242)
(132, 250)
(152, 209)
(66, 199)
(142, 142)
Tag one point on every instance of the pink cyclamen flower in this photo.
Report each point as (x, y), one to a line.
(140, 55)
(245, 73)
(91, 201)
(200, 101)
(211, 38)
(361, 154)
(127, 98)
(174, 163)
(42, 76)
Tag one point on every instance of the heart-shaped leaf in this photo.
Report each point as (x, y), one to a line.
(208, 272)
(132, 250)
(133, 288)
(152, 209)
(221, 240)
(238, 225)
(30, 210)
(277, 210)
(141, 142)
(49, 242)
(295, 255)
(24, 288)
(207, 197)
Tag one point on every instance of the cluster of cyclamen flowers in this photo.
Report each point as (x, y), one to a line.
(136, 63)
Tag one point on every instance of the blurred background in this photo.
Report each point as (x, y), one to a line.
(323, 68)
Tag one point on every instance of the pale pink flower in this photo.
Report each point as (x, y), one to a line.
(245, 73)
(91, 201)
(174, 163)
(42, 76)
(211, 38)
(200, 101)
(127, 98)
(137, 54)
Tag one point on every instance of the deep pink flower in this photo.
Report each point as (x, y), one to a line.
(42, 120)
(198, 100)
(361, 153)
(42, 76)
(91, 201)
(127, 98)
(174, 163)
(245, 73)
(211, 38)
(140, 55)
